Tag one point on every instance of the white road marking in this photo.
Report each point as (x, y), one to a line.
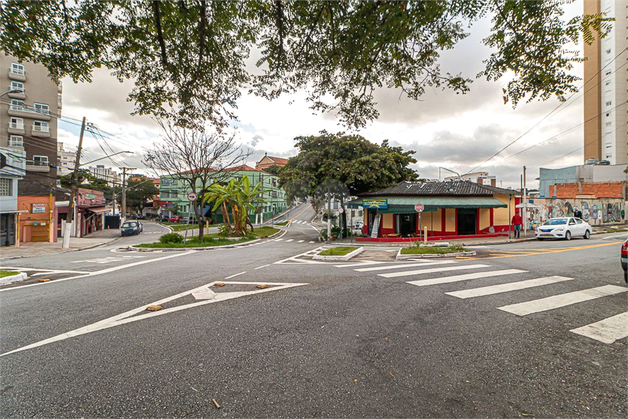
(289, 240)
(131, 315)
(48, 271)
(365, 263)
(562, 300)
(108, 259)
(104, 271)
(260, 267)
(433, 270)
(293, 260)
(607, 330)
(311, 241)
(278, 240)
(233, 276)
(464, 277)
(300, 241)
(407, 265)
(512, 286)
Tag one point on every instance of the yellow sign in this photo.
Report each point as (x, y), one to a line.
(375, 203)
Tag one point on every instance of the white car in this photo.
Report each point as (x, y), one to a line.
(563, 228)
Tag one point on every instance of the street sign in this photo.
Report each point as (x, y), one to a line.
(341, 210)
(419, 207)
(192, 196)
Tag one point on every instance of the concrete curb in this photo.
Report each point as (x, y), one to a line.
(183, 249)
(346, 257)
(14, 278)
(430, 255)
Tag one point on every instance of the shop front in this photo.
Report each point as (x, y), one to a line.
(436, 210)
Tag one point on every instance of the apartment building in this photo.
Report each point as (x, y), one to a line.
(606, 87)
(106, 173)
(65, 160)
(30, 108)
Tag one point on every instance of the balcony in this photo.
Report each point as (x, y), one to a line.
(40, 131)
(17, 75)
(37, 166)
(17, 129)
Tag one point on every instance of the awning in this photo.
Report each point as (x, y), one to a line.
(405, 204)
(98, 210)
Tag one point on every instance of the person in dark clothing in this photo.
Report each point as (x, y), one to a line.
(517, 222)
(577, 213)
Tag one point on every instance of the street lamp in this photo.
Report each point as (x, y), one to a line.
(10, 91)
(444, 168)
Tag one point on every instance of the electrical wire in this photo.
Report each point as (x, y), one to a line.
(553, 111)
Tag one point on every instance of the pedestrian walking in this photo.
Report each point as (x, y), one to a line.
(517, 222)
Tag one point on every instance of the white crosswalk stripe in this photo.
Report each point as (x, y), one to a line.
(300, 241)
(511, 286)
(407, 265)
(289, 240)
(607, 331)
(311, 241)
(464, 277)
(562, 300)
(433, 270)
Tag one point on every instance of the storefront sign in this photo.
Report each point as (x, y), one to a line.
(38, 208)
(90, 196)
(375, 203)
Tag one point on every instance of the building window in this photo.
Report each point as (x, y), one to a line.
(5, 187)
(164, 194)
(17, 105)
(173, 182)
(174, 194)
(17, 85)
(16, 141)
(16, 123)
(607, 83)
(608, 73)
(41, 126)
(608, 51)
(40, 160)
(42, 108)
(17, 68)
(609, 103)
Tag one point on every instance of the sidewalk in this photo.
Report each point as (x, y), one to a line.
(34, 249)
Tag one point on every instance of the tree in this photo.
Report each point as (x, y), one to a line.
(139, 191)
(354, 164)
(357, 163)
(189, 59)
(195, 158)
(237, 197)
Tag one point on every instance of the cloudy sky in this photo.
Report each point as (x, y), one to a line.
(446, 130)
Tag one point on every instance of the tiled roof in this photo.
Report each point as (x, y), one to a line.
(278, 160)
(460, 188)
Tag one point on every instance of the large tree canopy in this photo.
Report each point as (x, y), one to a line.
(190, 59)
(354, 162)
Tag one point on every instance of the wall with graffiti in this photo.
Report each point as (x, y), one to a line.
(594, 211)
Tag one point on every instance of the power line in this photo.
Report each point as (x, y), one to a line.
(552, 112)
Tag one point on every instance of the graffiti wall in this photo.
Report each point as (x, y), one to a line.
(594, 211)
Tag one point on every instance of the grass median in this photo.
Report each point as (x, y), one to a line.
(214, 239)
(337, 251)
(432, 250)
(181, 226)
(7, 273)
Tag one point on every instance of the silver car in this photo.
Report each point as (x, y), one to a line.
(563, 228)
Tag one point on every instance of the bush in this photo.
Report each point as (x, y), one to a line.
(171, 238)
(223, 230)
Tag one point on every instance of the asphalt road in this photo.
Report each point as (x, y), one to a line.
(371, 338)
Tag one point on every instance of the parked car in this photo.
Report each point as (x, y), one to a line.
(623, 256)
(174, 219)
(130, 228)
(563, 228)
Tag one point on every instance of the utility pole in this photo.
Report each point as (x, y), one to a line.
(123, 210)
(525, 204)
(70, 218)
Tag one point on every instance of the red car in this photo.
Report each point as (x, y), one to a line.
(174, 219)
(624, 259)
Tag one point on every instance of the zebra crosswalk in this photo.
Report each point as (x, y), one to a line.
(292, 240)
(434, 273)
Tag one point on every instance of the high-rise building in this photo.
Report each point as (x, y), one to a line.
(606, 87)
(65, 160)
(30, 106)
